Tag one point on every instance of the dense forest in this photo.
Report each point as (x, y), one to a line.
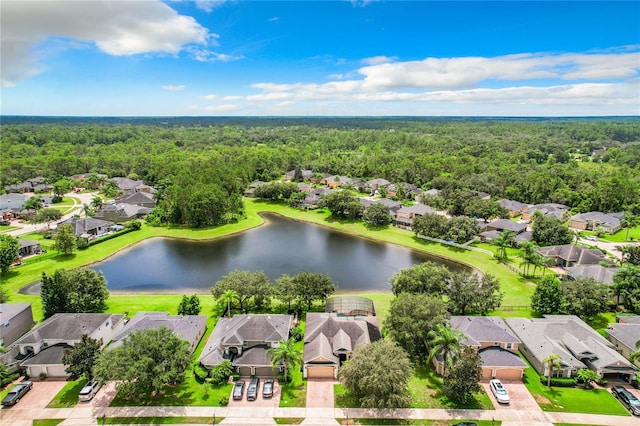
(528, 160)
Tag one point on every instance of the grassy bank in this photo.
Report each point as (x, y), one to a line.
(517, 290)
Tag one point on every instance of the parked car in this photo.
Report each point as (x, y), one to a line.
(17, 392)
(238, 390)
(267, 388)
(4, 223)
(466, 424)
(89, 391)
(592, 238)
(252, 390)
(499, 391)
(627, 399)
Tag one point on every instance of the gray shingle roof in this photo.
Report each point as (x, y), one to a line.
(48, 356)
(68, 327)
(483, 329)
(629, 334)
(417, 209)
(512, 205)
(498, 357)
(507, 225)
(188, 327)
(578, 255)
(10, 310)
(599, 273)
(598, 217)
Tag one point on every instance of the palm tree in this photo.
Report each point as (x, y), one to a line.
(444, 340)
(503, 241)
(551, 361)
(635, 355)
(97, 202)
(86, 210)
(227, 297)
(629, 221)
(287, 354)
(528, 255)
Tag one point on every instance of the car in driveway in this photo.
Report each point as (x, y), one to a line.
(499, 391)
(238, 390)
(627, 399)
(267, 388)
(252, 390)
(17, 392)
(89, 391)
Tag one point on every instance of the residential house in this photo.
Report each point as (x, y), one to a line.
(375, 184)
(330, 339)
(481, 194)
(19, 188)
(405, 215)
(129, 186)
(244, 340)
(88, 227)
(568, 255)
(610, 223)
(142, 199)
(625, 338)
(515, 208)
(43, 347)
(13, 202)
(559, 211)
(431, 192)
(252, 187)
(29, 248)
(578, 345)
(119, 213)
(393, 206)
(496, 344)
(493, 229)
(599, 273)
(188, 327)
(15, 320)
(305, 187)
(336, 181)
(306, 175)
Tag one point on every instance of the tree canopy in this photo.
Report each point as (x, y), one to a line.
(76, 290)
(9, 250)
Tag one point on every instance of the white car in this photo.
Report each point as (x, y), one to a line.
(89, 391)
(501, 394)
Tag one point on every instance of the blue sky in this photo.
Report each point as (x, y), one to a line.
(367, 58)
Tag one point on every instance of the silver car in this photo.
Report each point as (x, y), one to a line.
(89, 391)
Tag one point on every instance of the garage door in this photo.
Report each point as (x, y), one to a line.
(265, 372)
(503, 374)
(320, 372)
(57, 371)
(245, 371)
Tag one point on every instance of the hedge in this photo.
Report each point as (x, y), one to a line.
(560, 382)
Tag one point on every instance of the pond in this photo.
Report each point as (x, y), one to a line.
(280, 246)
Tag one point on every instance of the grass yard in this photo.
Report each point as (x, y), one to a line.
(421, 422)
(294, 393)
(621, 235)
(47, 422)
(188, 393)
(68, 396)
(571, 400)
(160, 420)
(425, 390)
(7, 228)
(288, 420)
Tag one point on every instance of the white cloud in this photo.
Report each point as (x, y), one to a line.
(209, 97)
(117, 28)
(274, 20)
(209, 5)
(232, 98)
(203, 54)
(378, 60)
(173, 88)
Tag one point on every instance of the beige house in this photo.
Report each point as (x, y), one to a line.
(625, 335)
(610, 223)
(496, 344)
(15, 320)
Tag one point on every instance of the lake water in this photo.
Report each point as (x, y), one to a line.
(280, 246)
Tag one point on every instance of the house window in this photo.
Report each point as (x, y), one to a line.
(509, 346)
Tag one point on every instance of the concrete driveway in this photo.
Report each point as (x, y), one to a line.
(274, 401)
(103, 398)
(39, 396)
(320, 393)
(521, 399)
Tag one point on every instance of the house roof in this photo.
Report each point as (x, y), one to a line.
(610, 220)
(341, 332)
(28, 243)
(507, 225)
(10, 310)
(523, 236)
(579, 345)
(84, 225)
(417, 209)
(187, 327)
(240, 328)
(350, 305)
(255, 356)
(68, 327)
(578, 255)
(51, 355)
(483, 329)
(628, 334)
(126, 183)
(498, 357)
(549, 209)
(378, 181)
(12, 201)
(599, 273)
(512, 205)
(628, 319)
(136, 198)
(389, 203)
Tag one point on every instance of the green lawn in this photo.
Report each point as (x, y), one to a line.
(571, 400)
(621, 235)
(294, 393)
(68, 396)
(47, 422)
(7, 228)
(159, 420)
(378, 421)
(425, 390)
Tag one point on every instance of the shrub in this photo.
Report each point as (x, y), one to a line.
(200, 373)
(82, 243)
(296, 333)
(560, 382)
(223, 401)
(220, 373)
(133, 225)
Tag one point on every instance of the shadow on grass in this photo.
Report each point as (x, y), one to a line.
(68, 396)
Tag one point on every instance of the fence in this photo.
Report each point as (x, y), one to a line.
(451, 243)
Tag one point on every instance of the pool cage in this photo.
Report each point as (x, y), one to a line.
(350, 306)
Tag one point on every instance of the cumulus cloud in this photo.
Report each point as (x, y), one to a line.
(203, 54)
(173, 88)
(377, 60)
(209, 97)
(209, 5)
(115, 27)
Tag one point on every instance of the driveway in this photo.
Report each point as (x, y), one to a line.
(320, 393)
(521, 399)
(40, 395)
(274, 401)
(103, 398)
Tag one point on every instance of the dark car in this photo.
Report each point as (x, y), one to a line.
(17, 392)
(238, 389)
(627, 399)
(252, 390)
(267, 388)
(466, 424)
